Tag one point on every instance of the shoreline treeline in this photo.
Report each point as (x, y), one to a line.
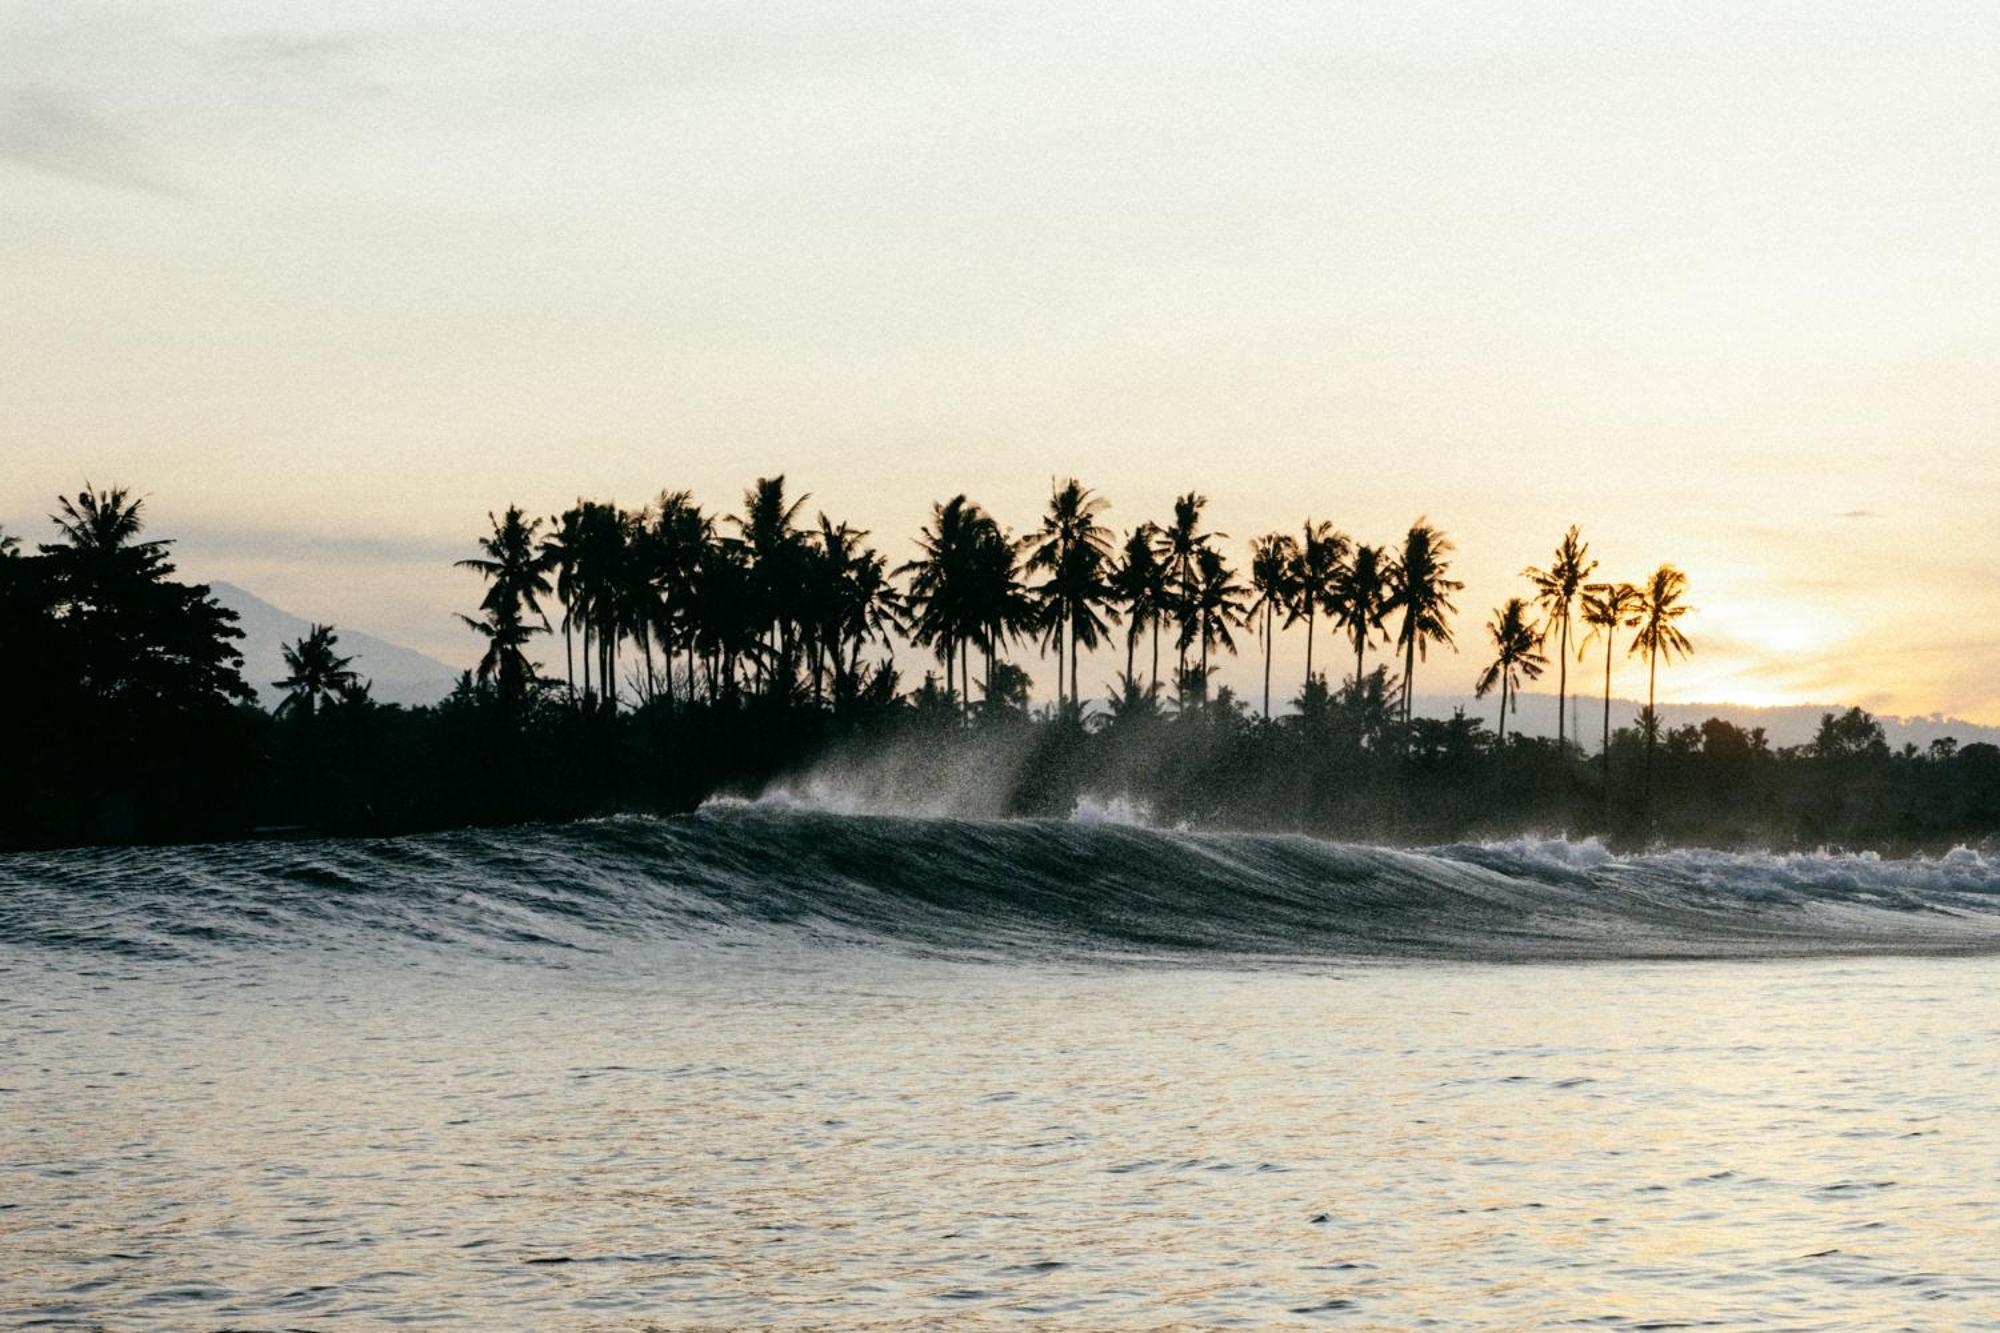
(705, 654)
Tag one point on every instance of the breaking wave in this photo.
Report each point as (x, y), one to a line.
(1105, 884)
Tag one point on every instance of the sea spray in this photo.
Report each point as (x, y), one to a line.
(818, 870)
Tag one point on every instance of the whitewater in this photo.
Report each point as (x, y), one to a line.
(803, 1061)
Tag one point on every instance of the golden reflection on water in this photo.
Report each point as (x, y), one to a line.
(691, 1138)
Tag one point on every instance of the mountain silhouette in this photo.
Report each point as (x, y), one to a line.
(400, 675)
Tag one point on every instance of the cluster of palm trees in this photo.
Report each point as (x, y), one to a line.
(1563, 593)
(762, 601)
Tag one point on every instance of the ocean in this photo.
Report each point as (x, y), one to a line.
(766, 1065)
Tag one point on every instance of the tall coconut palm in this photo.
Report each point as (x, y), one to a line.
(1072, 548)
(559, 551)
(1516, 639)
(1215, 605)
(1140, 583)
(315, 673)
(1320, 553)
(998, 608)
(1183, 542)
(1660, 606)
(1556, 590)
(1606, 608)
(516, 571)
(1420, 588)
(769, 528)
(1273, 569)
(1360, 600)
(952, 582)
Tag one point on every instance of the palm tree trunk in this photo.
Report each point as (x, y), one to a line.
(1075, 695)
(1562, 691)
(1409, 680)
(1309, 641)
(569, 660)
(1360, 646)
(1503, 709)
(1608, 636)
(1131, 642)
(1653, 718)
(1267, 661)
(1059, 666)
(1156, 654)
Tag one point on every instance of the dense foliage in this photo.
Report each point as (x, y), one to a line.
(707, 657)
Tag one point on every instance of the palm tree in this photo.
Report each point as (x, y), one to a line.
(1320, 553)
(560, 552)
(1515, 641)
(1184, 542)
(1421, 590)
(317, 673)
(997, 608)
(1139, 582)
(1273, 568)
(1660, 605)
(1215, 604)
(515, 568)
(1072, 548)
(1607, 606)
(773, 541)
(958, 583)
(10, 545)
(516, 571)
(1556, 590)
(1360, 600)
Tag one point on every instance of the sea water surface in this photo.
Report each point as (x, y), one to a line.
(762, 1066)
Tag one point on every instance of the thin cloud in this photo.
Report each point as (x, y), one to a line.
(59, 134)
(1857, 513)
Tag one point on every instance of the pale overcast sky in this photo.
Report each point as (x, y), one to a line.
(1717, 281)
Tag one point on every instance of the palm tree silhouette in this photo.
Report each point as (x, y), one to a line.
(1421, 590)
(1515, 640)
(1184, 542)
(560, 553)
(316, 673)
(961, 586)
(1215, 604)
(1139, 582)
(1556, 590)
(516, 571)
(1273, 569)
(1360, 600)
(1320, 553)
(1072, 548)
(1606, 607)
(1660, 606)
(771, 537)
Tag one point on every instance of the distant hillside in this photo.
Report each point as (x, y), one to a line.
(1794, 725)
(401, 675)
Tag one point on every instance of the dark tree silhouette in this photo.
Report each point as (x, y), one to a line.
(1515, 640)
(1660, 606)
(1420, 589)
(1360, 599)
(1274, 561)
(316, 674)
(1608, 607)
(1556, 590)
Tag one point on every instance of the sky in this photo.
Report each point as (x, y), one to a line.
(1716, 282)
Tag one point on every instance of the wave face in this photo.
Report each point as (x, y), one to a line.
(736, 874)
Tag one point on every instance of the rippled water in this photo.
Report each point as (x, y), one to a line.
(665, 1135)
